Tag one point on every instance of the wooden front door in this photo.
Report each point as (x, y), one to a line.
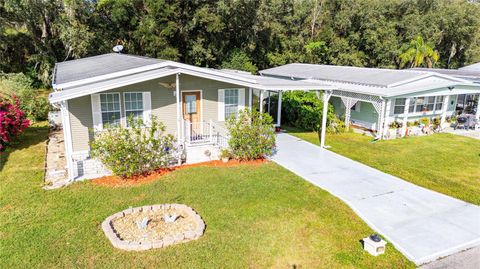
(191, 106)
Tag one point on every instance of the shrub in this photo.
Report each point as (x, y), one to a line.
(395, 125)
(304, 110)
(35, 106)
(134, 150)
(252, 135)
(425, 121)
(12, 121)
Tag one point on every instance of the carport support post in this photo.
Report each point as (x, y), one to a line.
(279, 107)
(326, 97)
(405, 116)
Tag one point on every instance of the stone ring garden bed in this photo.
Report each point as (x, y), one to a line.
(155, 226)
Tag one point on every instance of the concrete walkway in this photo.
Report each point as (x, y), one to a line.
(424, 225)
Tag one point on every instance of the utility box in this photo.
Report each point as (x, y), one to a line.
(373, 247)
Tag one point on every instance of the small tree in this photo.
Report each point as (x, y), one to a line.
(252, 135)
(12, 121)
(417, 52)
(134, 150)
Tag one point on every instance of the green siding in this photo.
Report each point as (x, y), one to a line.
(163, 105)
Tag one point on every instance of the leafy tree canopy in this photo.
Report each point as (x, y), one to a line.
(243, 34)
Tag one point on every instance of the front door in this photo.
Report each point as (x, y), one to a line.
(191, 106)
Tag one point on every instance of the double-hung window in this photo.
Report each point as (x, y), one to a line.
(430, 103)
(399, 106)
(439, 103)
(231, 102)
(133, 105)
(110, 109)
(419, 104)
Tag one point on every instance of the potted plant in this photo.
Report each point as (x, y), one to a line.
(225, 155)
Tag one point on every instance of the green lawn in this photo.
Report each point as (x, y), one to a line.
(256, 217)
(446, 163)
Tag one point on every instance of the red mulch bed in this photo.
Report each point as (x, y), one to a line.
(115, 181)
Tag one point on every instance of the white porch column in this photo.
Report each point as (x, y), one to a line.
(179, 108)
(279, 108)
(388, 107)
(261, 101)
(405, 116)
(250, 98)
(444, 109)
(67, 136)
(381, 119)
(326, 97)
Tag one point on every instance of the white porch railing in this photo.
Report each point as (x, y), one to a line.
(204, 132)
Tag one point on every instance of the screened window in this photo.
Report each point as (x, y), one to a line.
(419, 102)
(110, 105)
(430, 103)
(134, 105)
(439, 102)
(231, 103)
(411, 107)
(399, 106)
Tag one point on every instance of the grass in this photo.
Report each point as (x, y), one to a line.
(445, 163)
(256, 217)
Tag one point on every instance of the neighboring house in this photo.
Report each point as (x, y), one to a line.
(373, 97)
(465, 102)
(193, 102)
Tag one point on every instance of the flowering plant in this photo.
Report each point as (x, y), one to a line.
(13, 121)
(133, 150)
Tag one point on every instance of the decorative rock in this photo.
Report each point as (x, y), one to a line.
(118, 227)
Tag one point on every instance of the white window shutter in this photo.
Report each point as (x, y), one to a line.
(241, 99)
(147, 108)
(96, 113)
(221, 105)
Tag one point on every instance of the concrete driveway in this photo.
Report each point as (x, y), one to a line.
(424, 225)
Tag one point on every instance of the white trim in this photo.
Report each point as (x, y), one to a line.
(67, 133)
(178, 107)
(201, 102)
(221, 105)
(240, 101)
(124, 118)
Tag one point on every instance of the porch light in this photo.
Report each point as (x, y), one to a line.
(374, 245)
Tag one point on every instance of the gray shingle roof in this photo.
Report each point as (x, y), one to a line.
(358, 75)
(98, 65)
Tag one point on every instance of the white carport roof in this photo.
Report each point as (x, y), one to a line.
(76, 78)
(369, 81)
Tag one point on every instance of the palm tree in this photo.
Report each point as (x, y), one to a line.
(417, 53)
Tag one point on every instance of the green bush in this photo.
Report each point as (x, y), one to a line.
(252, 135)
(305, 109)
(134, 150)
(35, 106)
